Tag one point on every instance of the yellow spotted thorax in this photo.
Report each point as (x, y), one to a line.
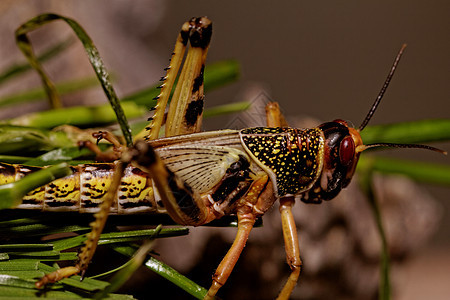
(292, 157)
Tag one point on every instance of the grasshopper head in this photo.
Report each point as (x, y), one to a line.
(342, 147)
(341, 154)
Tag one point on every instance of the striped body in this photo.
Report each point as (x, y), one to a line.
(86, 188)
(220, 166)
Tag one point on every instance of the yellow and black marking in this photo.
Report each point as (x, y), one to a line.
(186, 109)
(36, 197)
(136, 193)
(292, 157)
(86, 189)
(63, 194)
(188, 97)
(95, 181)
(234, 185)
(7, 173)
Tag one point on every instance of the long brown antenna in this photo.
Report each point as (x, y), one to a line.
(392, 145)
(383, 89)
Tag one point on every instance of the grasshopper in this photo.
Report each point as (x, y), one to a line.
(197, 177)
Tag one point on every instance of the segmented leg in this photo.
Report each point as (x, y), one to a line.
(276, 119)
(108, 136)
(291, 246)
(186, 110)
(256, 202)
(99, 154)
(185, 113)
(245, 225)
(87, 252)
(274, 116)
(186, 107)
(253, 205)
(186, 207)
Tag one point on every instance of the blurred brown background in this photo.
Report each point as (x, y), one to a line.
(325, 59)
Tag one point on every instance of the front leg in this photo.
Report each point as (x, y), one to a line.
(100, 155)
(291, 246)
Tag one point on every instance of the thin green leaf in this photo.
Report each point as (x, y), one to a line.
(366, 184)
(222, 73)
(22, 273)
(167, 272)
(119, 237)
(19, 265)
(133, 264)
(81, 116)
(20, 139)
(61, 155)
(74, 281)
(9, 280)
(28, 274)
(226, 109)
(419, 171)
(11, 159)
(17, 222)
(62, 256)
(39, 93)
(111, 271)
(8, 292)
(216, 74)
(163, 233)
(24, 45)
(51, 253)
(18, 69)
(218, 110)
(176, 278)
(422, 131)
(26, 247)
(41, 229)
(94, 58)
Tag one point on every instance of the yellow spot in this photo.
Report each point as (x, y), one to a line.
(275, 151)
(6, 179)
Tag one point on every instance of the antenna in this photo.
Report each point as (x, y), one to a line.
(392, 145)
(383, 89)
(372, 110)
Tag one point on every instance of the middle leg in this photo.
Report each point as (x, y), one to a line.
(251, 206)
(276, 119)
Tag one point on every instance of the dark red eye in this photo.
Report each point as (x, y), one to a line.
(347, 150)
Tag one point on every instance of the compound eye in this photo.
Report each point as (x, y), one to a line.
(347, 150)
(342, 122)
